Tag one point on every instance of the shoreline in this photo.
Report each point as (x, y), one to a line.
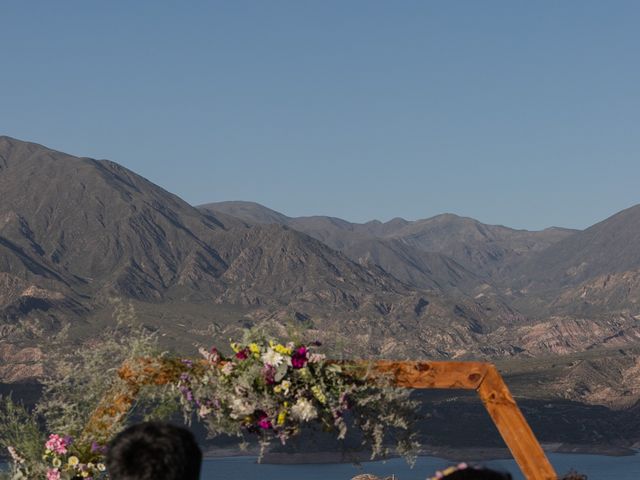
(472, 454)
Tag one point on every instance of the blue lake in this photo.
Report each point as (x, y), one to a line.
(597, 467)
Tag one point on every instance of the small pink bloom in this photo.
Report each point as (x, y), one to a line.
(53, 474)
(56, 444)
(269, 373)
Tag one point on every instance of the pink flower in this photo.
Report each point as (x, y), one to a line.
(56, 444)
(242, 354)
(53, 474)
(269, 373)
(299, 357)
(263, 421)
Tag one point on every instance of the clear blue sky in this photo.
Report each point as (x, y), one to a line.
(519, 113)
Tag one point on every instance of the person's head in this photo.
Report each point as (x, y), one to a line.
(573, 475)
(464, 471)
(157, 451)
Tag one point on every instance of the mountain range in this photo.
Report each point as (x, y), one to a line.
(84, 240)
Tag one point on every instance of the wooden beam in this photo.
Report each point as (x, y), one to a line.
(514, 428)
(479, 376)
(495, 395)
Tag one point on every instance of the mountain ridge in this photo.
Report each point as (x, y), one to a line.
(80, 236)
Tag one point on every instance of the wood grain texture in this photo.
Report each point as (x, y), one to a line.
(513, 427)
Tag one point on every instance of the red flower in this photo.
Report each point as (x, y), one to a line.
(299, 357)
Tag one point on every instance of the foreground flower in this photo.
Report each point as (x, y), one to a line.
(73, 460)
(14, 455)
(264, 422)
(282, 349)
(97, 448)
(53, 474)
(299, 357)
(319, 394)
(271, 357)
(304, 410)
(240, 408)
(203, 411)
(57, 444)
(227, 369)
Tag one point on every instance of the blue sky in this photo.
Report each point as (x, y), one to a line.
(519, 113)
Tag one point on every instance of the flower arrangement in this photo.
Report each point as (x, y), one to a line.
(264, 388)
(67, 461)
(62, 460)
(271, 389)
(47, 441)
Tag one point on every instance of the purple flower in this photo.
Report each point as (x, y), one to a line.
(187, 393)
(299, 357)
(187, 362)
(97, 448)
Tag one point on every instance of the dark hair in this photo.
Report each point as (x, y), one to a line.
(157, 451)
(573, 475)
(476, 473)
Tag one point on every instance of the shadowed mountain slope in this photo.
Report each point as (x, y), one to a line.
(608, 247)
(447, 252)
(593, 272)
(94, 226)
(76, 233)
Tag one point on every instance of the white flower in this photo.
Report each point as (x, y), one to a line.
(286, 385)
(304, 410)
(203, 411)
(14, 455)
(227, 368)
(271, 357)
(317, 357)
(240, 408)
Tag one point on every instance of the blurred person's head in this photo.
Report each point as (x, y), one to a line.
(463, 471)
(154, 451)
(573, 475)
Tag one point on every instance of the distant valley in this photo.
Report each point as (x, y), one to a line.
(84, 242)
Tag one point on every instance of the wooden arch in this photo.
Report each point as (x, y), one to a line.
(484, 378)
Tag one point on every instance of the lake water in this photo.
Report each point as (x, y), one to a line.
(597, 467)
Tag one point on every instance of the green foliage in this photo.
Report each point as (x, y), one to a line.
(21, 436)
(77, 380)
(74, 384)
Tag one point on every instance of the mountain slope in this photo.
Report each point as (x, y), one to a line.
(97, 227)
(77, 233)
(482, 249)
(593, 272)
(610, 246)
